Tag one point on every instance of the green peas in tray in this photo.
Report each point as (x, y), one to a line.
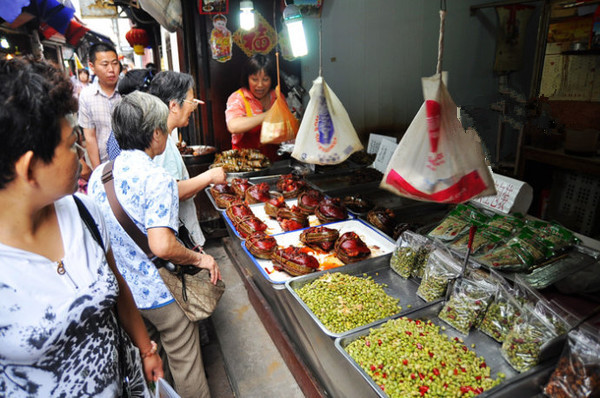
(522, 345)
(468, 303)
(500, 315)
(411, 358)
(411, 252)
(440, 269)
(343, 302)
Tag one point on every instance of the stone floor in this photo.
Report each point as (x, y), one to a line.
(239, 355)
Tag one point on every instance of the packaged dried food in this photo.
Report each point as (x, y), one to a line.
(410, 254)
(501, 314)
(520, 253)
(508, 223)
(468, 302)
(557, 237)
(485, 239)
(440, 269)
(457, 222)
(521, 347)
(578, 371)
(556, 315)
(343, 302)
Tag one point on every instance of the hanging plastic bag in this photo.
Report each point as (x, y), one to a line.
(437, 160)
(164, 390)
(279, 125)
(326, 135)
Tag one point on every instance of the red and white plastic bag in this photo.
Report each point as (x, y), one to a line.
(437, 160)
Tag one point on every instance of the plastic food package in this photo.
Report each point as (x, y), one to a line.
(522, 345)
(578, 371)
(501, 314)
(508, 223)
(437, 160)
(486, 238)
(555, 236)
(279, 125)
(326, 134)
(457, 222)
(468, 303)
(412, 251)
(440, 269)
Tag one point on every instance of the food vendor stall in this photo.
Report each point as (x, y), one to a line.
(321, 356)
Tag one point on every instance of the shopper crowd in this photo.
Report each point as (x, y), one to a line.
(79, 300)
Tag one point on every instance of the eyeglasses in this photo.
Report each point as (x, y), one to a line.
(194, 101)
(80, 150)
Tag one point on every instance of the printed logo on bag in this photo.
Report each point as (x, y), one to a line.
(433, 127)
(325, 136)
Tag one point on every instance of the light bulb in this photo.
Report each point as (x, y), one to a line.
(246, 15)
(4, 43)
(293, 20)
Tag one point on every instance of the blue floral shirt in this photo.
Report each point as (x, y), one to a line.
(149, 196)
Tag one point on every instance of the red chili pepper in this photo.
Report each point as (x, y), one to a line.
(380, 366)
(373, 368)
(463, 370)
(478, 378)
(368, 343)
(443, 364)
(465, 349)
(417, 322)
(436, 371)
(430, 354)
(405, 362)
(423, 390)
(419, 346)
(455, 371)
(379, 342)
(408, 333)
(412, 376)
(445, 385)
(483, 365)
(421, 334)
(384, 375)
(421, 376)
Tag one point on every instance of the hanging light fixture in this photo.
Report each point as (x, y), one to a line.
(292, 17)
(138, 39)
(4, 43)
(246, 15)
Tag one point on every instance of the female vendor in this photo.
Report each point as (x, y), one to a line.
(248, 106)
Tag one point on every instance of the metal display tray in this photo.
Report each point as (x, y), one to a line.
(485, 346)
(379, 244)
(212, 200)
(379, 270)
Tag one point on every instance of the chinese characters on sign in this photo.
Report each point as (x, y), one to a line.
(260, 40)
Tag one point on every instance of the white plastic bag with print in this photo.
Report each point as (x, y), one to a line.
(164, 390)
(437, 160)
(326, 135)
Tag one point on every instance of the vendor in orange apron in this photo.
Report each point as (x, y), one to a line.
(248, 106)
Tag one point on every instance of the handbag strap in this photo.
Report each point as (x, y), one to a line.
(122, 217)
(88, 220)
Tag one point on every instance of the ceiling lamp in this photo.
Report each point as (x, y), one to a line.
(138, 39)
(292, 17)
(246, 15)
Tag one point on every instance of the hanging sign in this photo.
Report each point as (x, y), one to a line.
(259, 40)
(213, 6)
(220, 39)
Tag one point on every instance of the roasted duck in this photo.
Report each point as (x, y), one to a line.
(240, 185)
(238, 210)
(246, 226)
(261, 245)
(350, 248)
(320, 238)
(294, 261)
(219, 189)
(223, 200)
(290, 185)
(274, 204)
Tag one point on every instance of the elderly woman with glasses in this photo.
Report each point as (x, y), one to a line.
(59, 285)
(148, 194)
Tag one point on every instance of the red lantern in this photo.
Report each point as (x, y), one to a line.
(138, 39)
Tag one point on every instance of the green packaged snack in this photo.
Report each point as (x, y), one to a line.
(411, 253)
(457, 222)
(468, 303)
(440, 269)
(555, 236)
(501, 314)
(486, 238)
(510, 224)
(522, 345)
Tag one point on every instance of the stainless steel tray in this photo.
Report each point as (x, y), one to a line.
(485, 346)
(379, 244)
(378, 269)
(212, 200)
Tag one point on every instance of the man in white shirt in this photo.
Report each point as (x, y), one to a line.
(97, 100)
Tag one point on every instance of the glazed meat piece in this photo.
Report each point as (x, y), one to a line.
(290, 185)
(223, 200)
(274, 204)
(350, 248)
(309, 200)
(247, 225)
(238, 210)
(261, 245)
(258, 193)
(219, 189)
(383, 219)
(329, 210)
(320, 238)
(240, 185)
(357, 204)
(292, 219)
(294, 261)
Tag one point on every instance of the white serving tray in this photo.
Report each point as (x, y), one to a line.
(375, 240)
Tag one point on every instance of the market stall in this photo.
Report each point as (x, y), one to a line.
(320, 356)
